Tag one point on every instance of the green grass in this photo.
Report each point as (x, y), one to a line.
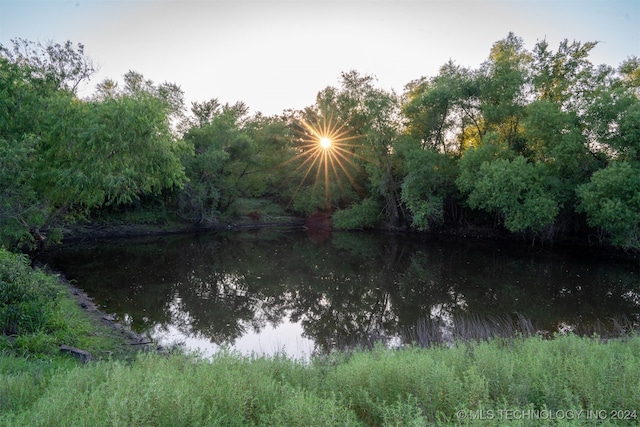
(380, 387)
(38, 315)
(414, 386)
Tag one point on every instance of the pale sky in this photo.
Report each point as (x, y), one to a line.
(278, 54)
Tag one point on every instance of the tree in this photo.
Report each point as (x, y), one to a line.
(374, 116)
(503, 94)
(32, 77)
(234, 156)
(59, 67)
(630, 74)
(611, 201)
(136, 86)
(437, 110)
(555, 139)
(22, 211)
(428, 184)
(67, 156)
(613, 122)
(557, 76)
(319, 178)
(110, 152)
(517, 190)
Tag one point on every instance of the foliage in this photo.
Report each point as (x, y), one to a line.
(412, 386)
(21, 210)
(365, 121)
(515, 189)
(122, 148)
(28, 298)
(366, 214)
(70, 155)
(54, 65)
(439, 109)
(430, 178)
(528, 128)
(517, 138)
(611, 200)
(235, 156)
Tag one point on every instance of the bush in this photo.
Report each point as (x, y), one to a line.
(28, 297)
(37, 315)
(366, 214)
(611, 201)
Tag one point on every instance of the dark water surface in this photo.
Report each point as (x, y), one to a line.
(270, 291)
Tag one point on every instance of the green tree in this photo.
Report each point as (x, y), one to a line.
(613, 121)
(71, 156)
(554, 138)
(110, 152)
(557, 76)
(516, 189)
(22, 211)
(235, 156)
(372, 115)
(611, 201)
(438, 110)
(503, 81)
(318, 178)
(428, 185)
(32, 77)
(54, 66)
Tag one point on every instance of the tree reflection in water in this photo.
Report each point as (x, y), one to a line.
(351, 289)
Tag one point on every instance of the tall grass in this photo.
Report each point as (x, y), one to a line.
(28, 298)
(414, 386)
(38, 315)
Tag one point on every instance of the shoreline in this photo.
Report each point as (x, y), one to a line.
(101, 319)
(132, 230)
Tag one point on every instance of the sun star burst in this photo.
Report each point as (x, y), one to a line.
(326, 148)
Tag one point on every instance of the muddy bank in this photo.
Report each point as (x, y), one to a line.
(131, 341)
(128, 336)
(103, 231)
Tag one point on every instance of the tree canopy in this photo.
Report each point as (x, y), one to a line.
(541, 143)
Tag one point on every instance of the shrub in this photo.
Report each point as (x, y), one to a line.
(366, 214)
(28, 297)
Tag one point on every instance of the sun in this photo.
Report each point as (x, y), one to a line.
(326, 148)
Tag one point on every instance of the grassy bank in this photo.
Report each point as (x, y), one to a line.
(569, 377)
(523, 381)
(38, 314)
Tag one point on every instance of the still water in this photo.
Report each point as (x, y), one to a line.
(277, 291)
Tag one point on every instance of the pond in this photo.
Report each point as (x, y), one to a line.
(281, 291)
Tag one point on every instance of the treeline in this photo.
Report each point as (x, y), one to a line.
(540, 143)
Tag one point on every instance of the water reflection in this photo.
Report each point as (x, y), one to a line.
(273, 290)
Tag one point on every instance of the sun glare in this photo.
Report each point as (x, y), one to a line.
(326, 149)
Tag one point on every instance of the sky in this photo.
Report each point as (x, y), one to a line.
(278, 54)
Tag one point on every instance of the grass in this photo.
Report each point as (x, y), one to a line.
(495, 379)
(415, 386)
(38, 315)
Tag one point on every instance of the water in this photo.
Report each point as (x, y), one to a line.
(275, 291)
